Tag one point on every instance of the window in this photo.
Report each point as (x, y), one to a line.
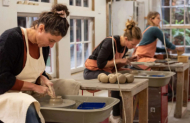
(26, 22)
(81, 3)
(80, 42)
(46, 1)
(176, 22)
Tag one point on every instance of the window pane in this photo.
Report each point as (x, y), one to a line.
(187, 36)
(78, 30)
(86, 51)
(177, 15)
(187, 50)
(70, 2)
(46, 1)
(78, 2)
(178, 2)
(187, 17)
(34, 0)
(86, 33)
(85, 3)
(21, 21)
(72, 56)
(79, 55)
(178, 36)
(48, 61)
(71, 30)
(166, 15)
(188, 2)
(167, 33)
(165, 2)
(30, 20)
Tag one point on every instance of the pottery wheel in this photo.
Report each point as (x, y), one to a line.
(66, 103)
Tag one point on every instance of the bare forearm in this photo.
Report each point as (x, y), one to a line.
(111, 63)
(28, 86)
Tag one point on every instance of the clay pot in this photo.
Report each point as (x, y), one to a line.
(57, 100)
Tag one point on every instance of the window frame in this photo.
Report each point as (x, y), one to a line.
(90, 41)
(50, 1)
(171, 26)
(82, 5)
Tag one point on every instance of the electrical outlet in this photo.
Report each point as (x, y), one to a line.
(6, 2)
(152, 109)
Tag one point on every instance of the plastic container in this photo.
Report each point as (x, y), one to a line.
(91, 105)
(156, 78)
(74, 115)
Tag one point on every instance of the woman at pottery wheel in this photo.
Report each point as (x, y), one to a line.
(148, 45)
(23, 54)
(101, 60)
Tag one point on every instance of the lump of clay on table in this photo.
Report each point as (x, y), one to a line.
(129, 78)
(100, 75)
(112, 78)
(121, 78)
(134, 72)
(104, 78)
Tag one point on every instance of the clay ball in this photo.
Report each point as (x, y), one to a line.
(126, 74)
(134, 72)
(112, 78)
(100, 75)
(121, 79)
(129, 78)
(104, 78)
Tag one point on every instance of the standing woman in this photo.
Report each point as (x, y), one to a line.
(101, 60)
(147, 47)
(23, 54)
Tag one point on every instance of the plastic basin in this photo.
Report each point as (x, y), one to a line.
(156, 78)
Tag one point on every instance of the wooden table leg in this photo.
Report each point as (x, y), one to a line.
(186, 88)
(135, 105)
(143, 106)
(128, 103)
(179, 95)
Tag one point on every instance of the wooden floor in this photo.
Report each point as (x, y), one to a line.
(185, 119)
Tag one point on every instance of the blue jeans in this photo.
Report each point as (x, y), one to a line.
(31, 115)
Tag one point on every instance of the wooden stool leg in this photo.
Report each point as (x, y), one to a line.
(143, 106)
(135, 105)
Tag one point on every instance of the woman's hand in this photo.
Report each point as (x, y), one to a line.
(133, 58)
(180, 49)
(49, 84)
(40, 89)
(123, 61)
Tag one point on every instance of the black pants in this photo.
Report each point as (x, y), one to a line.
(88, 74)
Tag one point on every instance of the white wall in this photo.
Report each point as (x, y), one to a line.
(8, 16)
(100, 21)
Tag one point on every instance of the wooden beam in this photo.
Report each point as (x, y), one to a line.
(93, 5)
(107, 17)
(57, 53)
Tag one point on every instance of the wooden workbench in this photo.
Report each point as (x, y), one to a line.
(182, 90)
(138, 87)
